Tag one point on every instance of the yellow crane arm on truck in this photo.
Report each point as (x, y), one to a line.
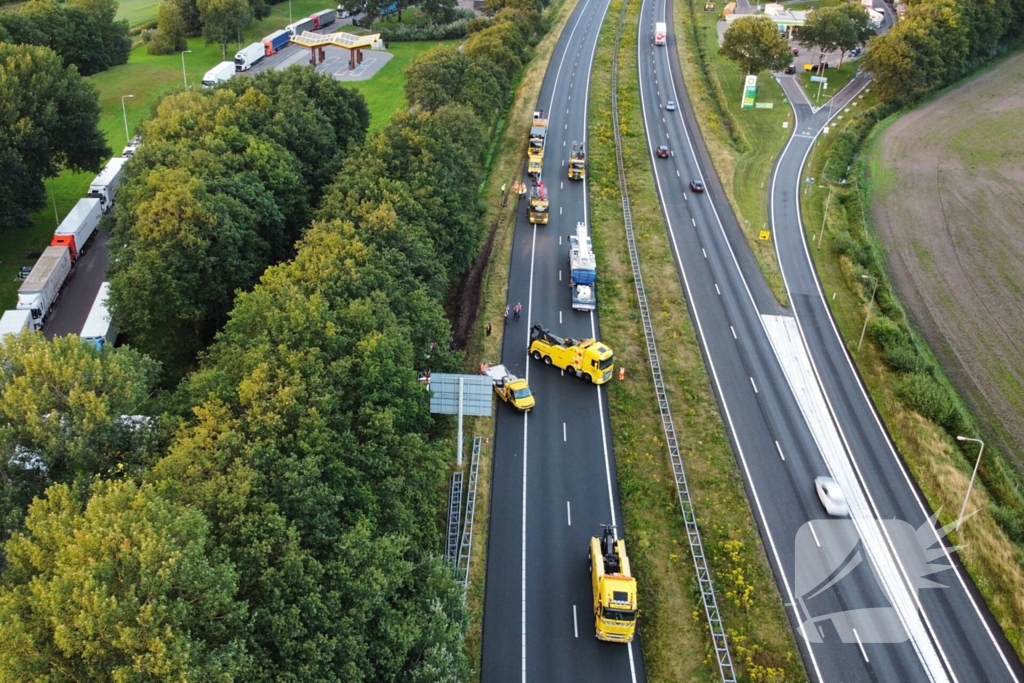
(538, 204)
(586, 358)
(615, 601)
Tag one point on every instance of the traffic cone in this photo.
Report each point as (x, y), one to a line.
(622, 372)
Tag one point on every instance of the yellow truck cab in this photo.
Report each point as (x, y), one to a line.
(586, 358)
(577, 162)
(538, 204)
(509, 388)
(535, 153)
(615, 600)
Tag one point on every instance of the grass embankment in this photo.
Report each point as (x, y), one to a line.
(149, 78)
(505, 167)
(743, 143)
(836, 79)
(941, 469)
(675, 638)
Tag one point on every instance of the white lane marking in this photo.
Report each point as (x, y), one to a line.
(703, 252)
(678, 176)
(564, 437)
(560, 213)
(575, 626)
(861, 646)
(779, 449)
(810, 525)
(568, 513)
(733, 330)
(559, 275)
(718, 290)
(559, 317)
(694, 221)
(559, 240)
(753, 385)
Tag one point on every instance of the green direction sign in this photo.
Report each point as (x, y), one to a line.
(749, 92)
(764, 105)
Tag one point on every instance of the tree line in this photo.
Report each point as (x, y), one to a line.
(281, 520)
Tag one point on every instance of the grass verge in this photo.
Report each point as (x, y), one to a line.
(149, 78)
(675, 638)
(743, 143)
(942, 471)
(505, 167)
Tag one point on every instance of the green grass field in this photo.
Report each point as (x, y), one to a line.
(148, 78)
(137, 11)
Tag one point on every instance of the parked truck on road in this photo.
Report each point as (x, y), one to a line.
(586, 358)
(509, 388)
(40, 289)
(99, 329)
(577, 162)
(299, 27)
(249, 56)
(275, 41)
(323, 18)
(15, 322)
(582, 270)
(535, 153)
(660, 31)
(224, 71)
(615, 600)
(78, 226)
(104, 186)
(538, 204)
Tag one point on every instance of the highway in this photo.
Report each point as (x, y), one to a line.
(795, 410)
(553, 476)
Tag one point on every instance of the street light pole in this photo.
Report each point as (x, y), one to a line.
(963, 508)
(127, 137)
(825, 215)
(289, 11)
(184, 77)
(870, 303)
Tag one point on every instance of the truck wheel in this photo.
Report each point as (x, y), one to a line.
(588, 378)
(536, 355)
(547, 360)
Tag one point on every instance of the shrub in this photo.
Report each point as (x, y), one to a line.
(925, 395)
(1010, 521)
(887, 333)
(412, 32)
(903, 357)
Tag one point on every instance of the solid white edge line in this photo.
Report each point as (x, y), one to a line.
(779, 449)
(714, 375)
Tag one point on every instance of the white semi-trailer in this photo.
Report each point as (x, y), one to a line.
(40, 289)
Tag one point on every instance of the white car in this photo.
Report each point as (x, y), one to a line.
(832, 497)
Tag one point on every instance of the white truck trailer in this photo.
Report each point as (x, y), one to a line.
(40, 289)
(99, 329)
(14, 322)
(104, 186)
(249, 56)
(78, 226)
(218, 74)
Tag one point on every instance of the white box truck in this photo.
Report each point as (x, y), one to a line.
(78, 226)
(40, 289)
(660, 30)
(14, 322)
(299, 27)
(249, 56)
(218, 74)
(105, 184)
(99, 329)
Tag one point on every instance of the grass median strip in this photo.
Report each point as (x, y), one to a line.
(675, 638)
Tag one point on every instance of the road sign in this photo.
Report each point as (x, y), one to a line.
(765, 235)
(749, 92)
(819, 79)
(764, 105)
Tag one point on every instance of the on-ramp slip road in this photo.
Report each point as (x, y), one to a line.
(553, 477)
(795, 410)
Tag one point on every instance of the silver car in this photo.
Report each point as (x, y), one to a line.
(832, 497)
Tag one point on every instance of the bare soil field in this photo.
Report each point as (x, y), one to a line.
(947, 201)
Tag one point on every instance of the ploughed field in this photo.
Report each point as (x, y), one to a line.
(948, 203)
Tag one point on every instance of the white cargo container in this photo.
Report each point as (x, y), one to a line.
(99, 329)
(249, 56)
(105, 184)
(40, 289)
(299, 27)
(14, 322)
(78, 226)
(218, 74)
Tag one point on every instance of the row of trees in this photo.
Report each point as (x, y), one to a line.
(49, 118)
(84, 33)
(938, 41)
(219, 21)
(223, 187)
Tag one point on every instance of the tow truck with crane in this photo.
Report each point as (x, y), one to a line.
(577, 162)
(509, 388)
(538, 204)
(535, 153)
(615, 601)
(586, 358)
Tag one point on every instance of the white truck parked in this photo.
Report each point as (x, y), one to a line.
(218, 74)
(40, 289)
(14, 322)
(249, 56)
(78, 226)
(105, 184)
(99, 329)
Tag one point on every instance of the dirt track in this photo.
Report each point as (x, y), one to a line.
(948, 202)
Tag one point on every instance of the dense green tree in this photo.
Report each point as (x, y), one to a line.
(171, 30)
(48, 121)
(755, 45)
(439, 11)
(223, 20)
(826, 29)
(860, 28)
(443, 75)
(126, 588)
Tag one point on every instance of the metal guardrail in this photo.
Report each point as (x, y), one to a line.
(454, 513)
(707, 589)
(466, 547)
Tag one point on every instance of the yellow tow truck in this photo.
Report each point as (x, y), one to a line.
(615, 603)
(538, 204)
(586, 358)
(535, 153)
(577, 162)
(509, 388)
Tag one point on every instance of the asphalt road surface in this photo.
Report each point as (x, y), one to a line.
(795, 410)
(72, 308)
(553, 478)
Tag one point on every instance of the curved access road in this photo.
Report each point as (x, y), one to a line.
(870, 623)
(553, 478)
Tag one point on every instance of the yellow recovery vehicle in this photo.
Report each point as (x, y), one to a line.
(577, 163)
(509, 388)
(535, 154)
(586, 358)
(539, 204)
(615, 609)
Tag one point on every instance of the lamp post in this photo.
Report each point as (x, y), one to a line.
(870, 303)
(127, 137)
(981, 450)
(289, 11)
(825, 215)
(184, 77)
